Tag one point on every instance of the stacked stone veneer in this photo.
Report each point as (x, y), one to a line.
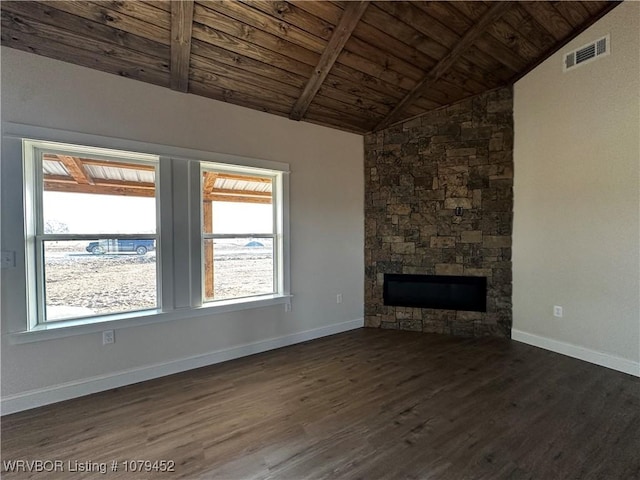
(416, 174)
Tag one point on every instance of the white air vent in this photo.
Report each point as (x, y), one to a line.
(587, 53)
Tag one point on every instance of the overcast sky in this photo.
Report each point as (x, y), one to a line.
(90, 213)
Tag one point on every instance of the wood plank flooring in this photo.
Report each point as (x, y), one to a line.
(366, 404)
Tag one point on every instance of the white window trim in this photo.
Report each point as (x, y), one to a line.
(71, 328)
(34, 222)
(276, 236)
(180, 300)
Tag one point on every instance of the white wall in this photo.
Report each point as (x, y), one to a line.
(327, 188)
(576, 237)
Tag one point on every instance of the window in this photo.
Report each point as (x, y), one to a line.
(241, 233)
(135, 233)
(92, 231)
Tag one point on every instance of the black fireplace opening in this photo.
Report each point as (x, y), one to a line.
(447, 292)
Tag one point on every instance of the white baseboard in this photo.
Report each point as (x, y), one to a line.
(57, 393)
(581, 353)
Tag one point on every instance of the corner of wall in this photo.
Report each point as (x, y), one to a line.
(577, 199)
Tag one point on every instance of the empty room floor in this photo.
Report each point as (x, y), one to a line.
(364, 404)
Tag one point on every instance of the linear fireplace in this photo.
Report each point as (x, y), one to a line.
(436, 291)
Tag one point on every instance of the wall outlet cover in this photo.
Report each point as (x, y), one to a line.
(108, 337)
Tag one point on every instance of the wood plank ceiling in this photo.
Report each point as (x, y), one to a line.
(356, 66)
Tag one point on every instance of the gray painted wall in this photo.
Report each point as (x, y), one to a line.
(576, 240)
(326, 217)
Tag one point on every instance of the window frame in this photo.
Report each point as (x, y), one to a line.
(179, 297)
(276, 221)
(33, 152)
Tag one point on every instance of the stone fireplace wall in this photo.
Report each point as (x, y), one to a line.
(416, 174)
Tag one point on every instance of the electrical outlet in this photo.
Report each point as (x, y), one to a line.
(8, 259)
(339, 298)
(108, 337)
(287, 307)
(557, 311)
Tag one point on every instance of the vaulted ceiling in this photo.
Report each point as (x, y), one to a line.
(357, 66)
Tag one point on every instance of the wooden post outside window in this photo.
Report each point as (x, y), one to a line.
(207, 212)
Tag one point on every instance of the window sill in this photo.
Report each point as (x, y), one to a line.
(70, 328)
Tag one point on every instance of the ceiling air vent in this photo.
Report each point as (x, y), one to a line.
(587, 53)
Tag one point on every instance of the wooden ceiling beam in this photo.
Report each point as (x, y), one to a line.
(100, 182)
(209, 182)
(352, 13)
(181, 28)
(76, 169)
(445, 63)
(266, 55)
(242, 193)
(236, 199)
(54, 186)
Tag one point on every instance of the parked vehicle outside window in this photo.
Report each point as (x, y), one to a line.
(141, 247)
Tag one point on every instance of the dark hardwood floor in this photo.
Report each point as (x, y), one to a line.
(367, 404)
